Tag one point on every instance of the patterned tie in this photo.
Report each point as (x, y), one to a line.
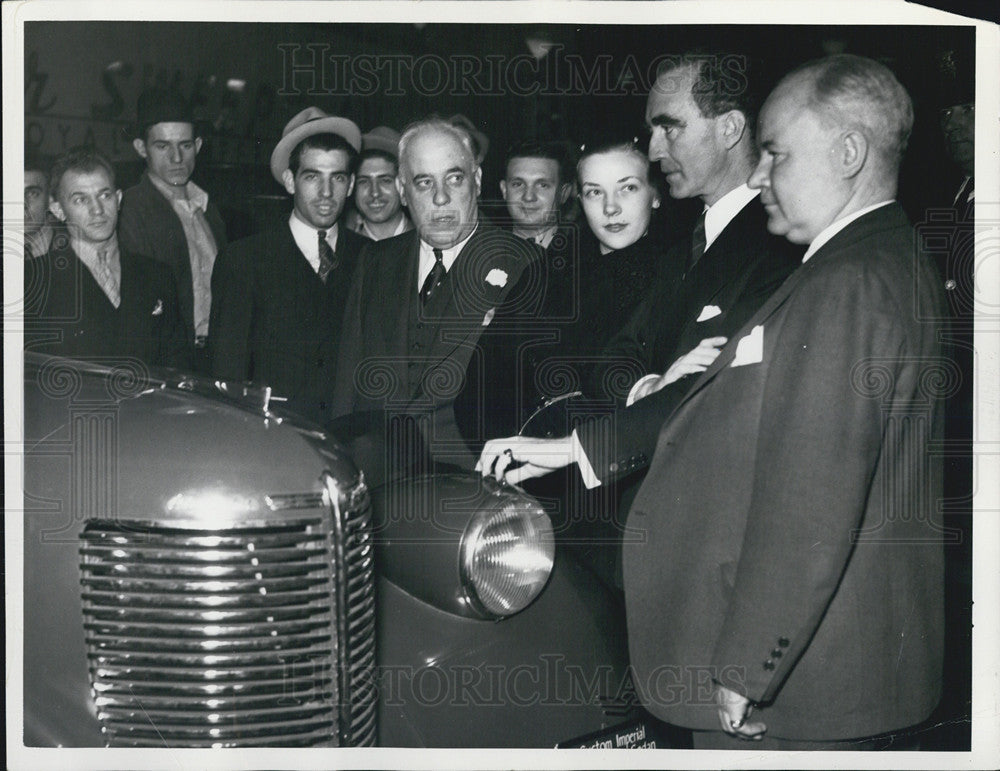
(434, 278)
(697, 241)
(106, 278)
(327, 258)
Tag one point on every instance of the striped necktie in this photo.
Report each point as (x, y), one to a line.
(327, 257)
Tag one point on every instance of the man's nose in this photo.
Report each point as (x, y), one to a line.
(760, 176)
(96, 208)
(175, 154)
(326, 188)
(441, 197)
(657, 146)
(530, 195)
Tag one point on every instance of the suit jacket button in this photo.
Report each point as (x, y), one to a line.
(783, 642)
(769, 665)
(612, 467)
(950, 284)
(776, 653)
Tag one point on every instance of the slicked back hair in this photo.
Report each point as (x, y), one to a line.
(552, 151)
(722, 82)
(325, 142)
(438, 124)
(81, 159)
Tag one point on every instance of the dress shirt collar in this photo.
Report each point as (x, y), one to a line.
(448, 256)
(366, 231)
(544, 238)
(307, 238)
(191, 192)
(723, 211)
(837, 225)
(89, 252)
(966, 193)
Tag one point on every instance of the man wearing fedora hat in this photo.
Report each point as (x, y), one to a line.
(168, 217)
(278, 296)
(380, 212)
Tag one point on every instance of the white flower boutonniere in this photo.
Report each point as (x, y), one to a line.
(497, 277)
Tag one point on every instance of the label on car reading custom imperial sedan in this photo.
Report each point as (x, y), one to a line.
(627, 736)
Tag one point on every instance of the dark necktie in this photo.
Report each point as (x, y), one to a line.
(697, 241)
(434, 278)
(327, 259)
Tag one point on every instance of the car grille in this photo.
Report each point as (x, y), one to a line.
(257, 635)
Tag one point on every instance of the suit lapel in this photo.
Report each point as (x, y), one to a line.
(880, 219)
(470, 297)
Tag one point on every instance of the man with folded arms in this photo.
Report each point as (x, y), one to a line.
(788, 590)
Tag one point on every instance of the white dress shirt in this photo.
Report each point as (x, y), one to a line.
(837, 225)
(448, 257)
(717, 218)
(107, 272)
(307, 239)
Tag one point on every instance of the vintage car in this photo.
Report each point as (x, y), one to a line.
(202, 570)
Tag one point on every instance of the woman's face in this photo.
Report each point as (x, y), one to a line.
(617, 197)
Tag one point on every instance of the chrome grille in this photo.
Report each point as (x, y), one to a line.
(226, 638)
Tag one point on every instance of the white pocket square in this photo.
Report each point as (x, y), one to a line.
(158, 310)
(709, 312)
(750, 349)
(489, 316)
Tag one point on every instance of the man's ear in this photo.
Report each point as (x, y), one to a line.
(732, 126)
(503, 189)
(852, 149)
(56, 208)
(197, 145)
(118, 197)
(289, 179)
(139, 145)
(564, 190)
(402, 191)
(350, 186)
(479, 181)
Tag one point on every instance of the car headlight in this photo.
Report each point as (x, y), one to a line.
(506, 554)
(465, 544)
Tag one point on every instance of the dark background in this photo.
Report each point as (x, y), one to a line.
(82, 81)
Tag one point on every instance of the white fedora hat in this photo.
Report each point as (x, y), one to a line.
(310, 121)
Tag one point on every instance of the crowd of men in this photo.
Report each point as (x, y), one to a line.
(778, 420)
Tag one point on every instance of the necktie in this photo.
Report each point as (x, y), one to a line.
(327, 259)
(697, 241)
(434, 278)
(106, 278)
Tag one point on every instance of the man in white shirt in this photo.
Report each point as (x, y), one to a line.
(169, 218)
(418, 309)
(278, 296)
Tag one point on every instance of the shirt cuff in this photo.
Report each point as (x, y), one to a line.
(590, 479)
(638, 383)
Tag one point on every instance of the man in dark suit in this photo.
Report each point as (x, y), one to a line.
(278, 296)
(702, 137)
(419, 306)
(90, 299)
(168, 217)
(789, 586)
